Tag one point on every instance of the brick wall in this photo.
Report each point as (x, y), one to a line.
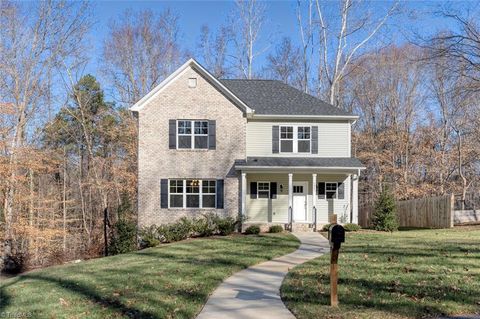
(157, 161)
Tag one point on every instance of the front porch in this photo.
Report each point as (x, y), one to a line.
(298, 196)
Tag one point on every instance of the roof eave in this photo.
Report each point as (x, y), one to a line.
(304, 117)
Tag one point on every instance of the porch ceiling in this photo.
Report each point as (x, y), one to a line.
(322, 164)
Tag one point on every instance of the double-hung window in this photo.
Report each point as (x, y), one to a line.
(208, 194)
(263, 189)
(192, 134)
(176, 193)
(192, 193)
(295, 139)
(303, 139)
(331, 190)
(286, 139)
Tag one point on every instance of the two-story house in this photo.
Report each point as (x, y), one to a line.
(256, 149)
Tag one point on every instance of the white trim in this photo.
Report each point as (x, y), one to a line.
(194, 65)
(306, 117)
(314, 194)
(290, 196)
(244, 194)
(184, 194)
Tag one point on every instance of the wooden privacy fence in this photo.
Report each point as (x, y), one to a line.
(427, 212)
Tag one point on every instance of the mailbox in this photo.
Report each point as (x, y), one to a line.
(336, 234)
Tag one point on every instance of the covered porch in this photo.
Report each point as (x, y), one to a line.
(304, 191)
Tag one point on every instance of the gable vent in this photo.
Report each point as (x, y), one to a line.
(192, 82)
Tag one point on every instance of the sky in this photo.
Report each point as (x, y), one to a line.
(280, 20)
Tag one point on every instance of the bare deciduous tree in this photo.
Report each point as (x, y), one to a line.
(355, 29)
(140, 51)
(307, 29)
(247, 24)
(285, 63)
(213, 50)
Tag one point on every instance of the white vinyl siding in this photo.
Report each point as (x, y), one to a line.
(333, 138)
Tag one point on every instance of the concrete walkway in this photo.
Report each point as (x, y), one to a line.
(255, 291)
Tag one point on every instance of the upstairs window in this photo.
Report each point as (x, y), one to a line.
(286, 139)
(295, 139)
(303, 139)
(192, 134)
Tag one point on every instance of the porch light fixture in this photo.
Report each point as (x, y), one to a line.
(281, 188)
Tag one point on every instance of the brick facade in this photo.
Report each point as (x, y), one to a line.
(156, 161)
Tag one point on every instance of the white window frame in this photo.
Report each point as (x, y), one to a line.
(304, 139)
(192, 134)
(214, 193)
(182, 193)
(295, 139)
(286, 139)
(327, 191)
(263, 190)
(200, 193)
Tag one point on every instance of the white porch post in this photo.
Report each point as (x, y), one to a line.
(244, 195)
(290, 195)
(355, 198)
(314, 195)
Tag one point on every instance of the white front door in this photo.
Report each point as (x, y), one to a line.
(300, 201)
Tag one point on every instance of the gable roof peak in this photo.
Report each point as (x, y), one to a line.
(200, 69)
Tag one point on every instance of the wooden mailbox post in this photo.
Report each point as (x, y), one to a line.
(336, 236)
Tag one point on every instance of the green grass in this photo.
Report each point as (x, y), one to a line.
(407, 274)
(171, 281)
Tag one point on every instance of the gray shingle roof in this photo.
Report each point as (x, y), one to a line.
(301, 162)
(272, 97)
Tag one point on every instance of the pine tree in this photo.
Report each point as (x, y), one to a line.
(385, 215)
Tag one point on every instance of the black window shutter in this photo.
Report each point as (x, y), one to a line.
(212, 141)
(164, 193)
(253, 190)
(172, 134)
(273, 190)
(314, 139)
(321, 190)
(275, 139)
(341, 190)
(220, 193)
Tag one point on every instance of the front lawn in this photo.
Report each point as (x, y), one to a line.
(407, 274)
(171, 281)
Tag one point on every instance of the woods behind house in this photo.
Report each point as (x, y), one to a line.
(68, 141)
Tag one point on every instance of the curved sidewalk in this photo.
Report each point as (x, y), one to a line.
(255, 291)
